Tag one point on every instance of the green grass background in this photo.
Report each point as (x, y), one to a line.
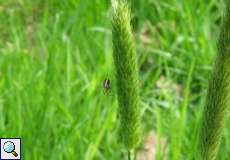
(54, 56)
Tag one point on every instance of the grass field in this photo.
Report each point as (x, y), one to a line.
(54, 56)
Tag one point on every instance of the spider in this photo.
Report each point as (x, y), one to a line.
(106, 85)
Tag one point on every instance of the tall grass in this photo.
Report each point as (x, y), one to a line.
(54, 56)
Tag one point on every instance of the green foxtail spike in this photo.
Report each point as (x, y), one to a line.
(125, 60)
(218, 96)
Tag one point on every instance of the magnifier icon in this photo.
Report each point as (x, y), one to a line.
(9, 147)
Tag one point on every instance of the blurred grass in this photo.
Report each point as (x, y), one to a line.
(54, 56)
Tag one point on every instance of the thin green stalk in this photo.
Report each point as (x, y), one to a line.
(125, 60)
(218, 96)
(131, 155)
